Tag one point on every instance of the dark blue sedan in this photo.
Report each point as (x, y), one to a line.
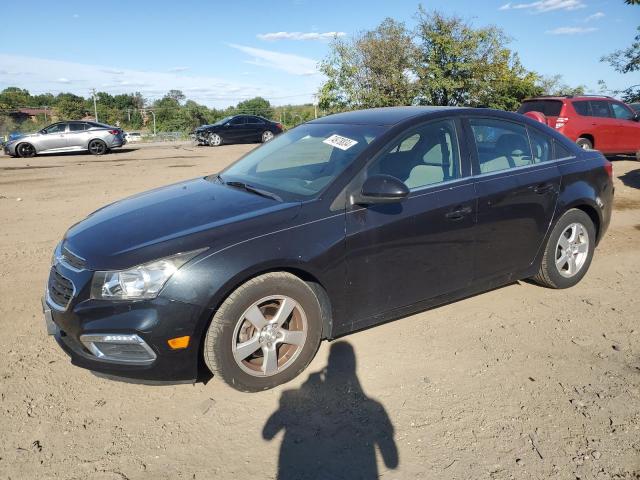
(342, 223)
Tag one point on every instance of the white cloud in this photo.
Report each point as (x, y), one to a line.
(300, 36)
(595, 16)
(570, 30)
(286, 62)
(178, 69)
(54, 76)
(542, 6)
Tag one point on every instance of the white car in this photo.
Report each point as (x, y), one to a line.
(133, 136)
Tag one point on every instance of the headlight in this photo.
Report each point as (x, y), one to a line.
(143, 281)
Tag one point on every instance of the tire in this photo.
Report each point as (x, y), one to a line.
(237, 350)
(25, 150)
(215, 140)
(97, 147)
(557, 270)
(267, 136)
(584, 143)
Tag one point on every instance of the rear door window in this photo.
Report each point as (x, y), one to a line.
(500, 145)
(77, 127)
(600, 108)
(256, 120)
(582, 108)
(551, 108)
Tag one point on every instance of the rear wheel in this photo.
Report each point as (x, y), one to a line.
(584, 143)
(265, 333)
(25, 150)
(97, 147)
(568, 252)
(215, 140)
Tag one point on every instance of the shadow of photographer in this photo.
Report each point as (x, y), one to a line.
(331, 428)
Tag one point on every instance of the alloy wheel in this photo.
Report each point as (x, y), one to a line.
(215, 140)
(572, 250)
(269, 336)
(97, 147)
(266, 136)
(26, 150)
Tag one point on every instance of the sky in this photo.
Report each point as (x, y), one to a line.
(221, 52)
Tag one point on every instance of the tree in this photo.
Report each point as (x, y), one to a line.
(176, 95)
(70, 106)
(554, 85)
(373, 69)
(255, 106)
(626, 61)
(462, 65)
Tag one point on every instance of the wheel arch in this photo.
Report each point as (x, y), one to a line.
(15, 149)
(589, 137)
(591, 209)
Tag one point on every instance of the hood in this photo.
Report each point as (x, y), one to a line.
(178, 218)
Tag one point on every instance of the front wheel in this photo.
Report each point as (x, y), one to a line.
(97, 147)
(25, 150)
(265, 333)
(568, 252)
(215, 140)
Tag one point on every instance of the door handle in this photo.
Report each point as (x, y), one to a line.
(543, 188)
(458, 213)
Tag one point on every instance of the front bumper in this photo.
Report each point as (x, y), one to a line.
(152, 321)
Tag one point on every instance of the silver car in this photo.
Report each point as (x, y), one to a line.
(76, 136)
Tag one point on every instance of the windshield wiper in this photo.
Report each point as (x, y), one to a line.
(251, 189)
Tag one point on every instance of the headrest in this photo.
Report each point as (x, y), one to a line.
(510, 144)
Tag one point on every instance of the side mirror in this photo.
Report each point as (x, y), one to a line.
(636, 117)
(382, 189)
(42, 132)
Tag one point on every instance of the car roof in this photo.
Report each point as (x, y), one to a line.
(380, 116)
(568, 97)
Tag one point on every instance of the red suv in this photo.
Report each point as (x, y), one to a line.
(599, 122)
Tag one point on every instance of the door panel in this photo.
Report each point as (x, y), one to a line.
(628, 137)
(605, 127)
(517, 194)
(404, 253)
(55, 138)
(77, 135)
(400, 254)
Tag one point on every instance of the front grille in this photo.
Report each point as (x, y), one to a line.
(72, 259)
(60, 289)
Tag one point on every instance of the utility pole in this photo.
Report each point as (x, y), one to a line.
(315, 106)
(154, 121)
(129, 115)
(45, 113)
(95, 105)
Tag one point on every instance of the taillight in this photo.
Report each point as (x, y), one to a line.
(561, 122)
(114, 132)
(279, 126)
(608, 167)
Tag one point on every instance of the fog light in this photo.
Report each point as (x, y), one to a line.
(118, 348)
(179, 342)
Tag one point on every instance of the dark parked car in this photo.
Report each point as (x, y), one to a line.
(342, 223)
(238, 129)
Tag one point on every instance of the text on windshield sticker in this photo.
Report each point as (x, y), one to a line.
(343, 143)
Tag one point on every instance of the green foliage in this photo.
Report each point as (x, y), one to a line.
(445, 61)
(627, 61)
(255, 106)
(373, 69)
(554, 85)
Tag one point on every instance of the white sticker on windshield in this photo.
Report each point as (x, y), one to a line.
(343, 143)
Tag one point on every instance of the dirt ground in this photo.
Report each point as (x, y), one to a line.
(521, 382)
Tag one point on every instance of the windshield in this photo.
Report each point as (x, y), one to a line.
(224, 120)
(300, 163)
